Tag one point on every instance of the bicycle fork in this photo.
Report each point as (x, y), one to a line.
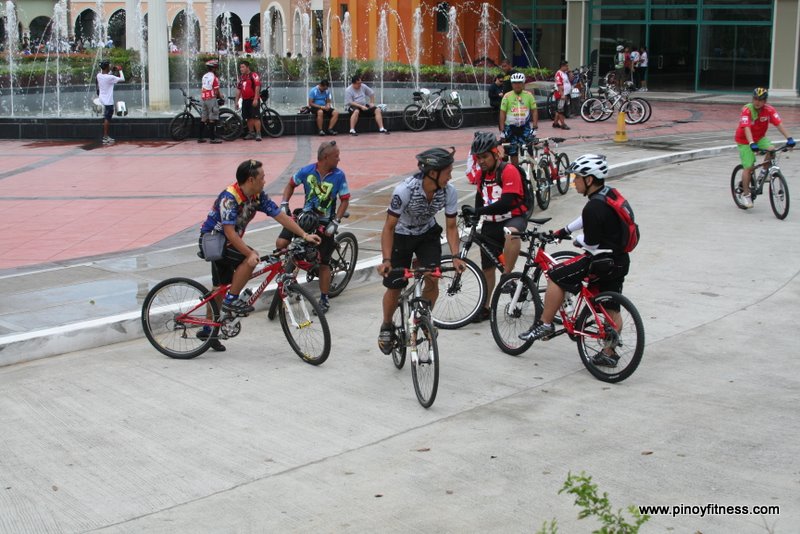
(294, 320)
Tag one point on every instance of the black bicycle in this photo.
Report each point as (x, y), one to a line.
(768, 172)
(182, 125)
(271, 122)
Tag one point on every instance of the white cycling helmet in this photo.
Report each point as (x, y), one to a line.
(518, 77)
(590, 165)
(620, 48)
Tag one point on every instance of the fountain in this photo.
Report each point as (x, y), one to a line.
(483, 30)
(347, 40)
(383, 48)
(417, 31)
(189, 46)
(12, 45)
(141, 29)
(305, 47)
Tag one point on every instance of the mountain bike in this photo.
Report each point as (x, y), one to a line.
(767, 171)
(553, 166)
(271, 122)
(175, 311)
(182, 125)
(610, 342)
(581, 90)
(414, 332)
(447, 108)
(538, 175)
(637, 110)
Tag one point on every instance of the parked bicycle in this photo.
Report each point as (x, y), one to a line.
(182, 125)
(271, 122)
(768, 171)
(637, 110)
(581, 90)
(447, 108)
(177, 309)
(414, 333)
(610, 342)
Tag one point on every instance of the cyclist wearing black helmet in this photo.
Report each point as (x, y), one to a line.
(411, 230)
(750, 136)
(501, 203)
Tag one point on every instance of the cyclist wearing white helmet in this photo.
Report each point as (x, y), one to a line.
(602, 230)
(619, 65)
(211, 99)
(519, 117)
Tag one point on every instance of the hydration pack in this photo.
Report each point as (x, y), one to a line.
(630, 230)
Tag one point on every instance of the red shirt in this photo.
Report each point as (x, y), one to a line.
(758, 127)
(491, 192)
(249, 84)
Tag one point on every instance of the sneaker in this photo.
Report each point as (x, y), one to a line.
(332, 132)
(105, 140)
(386, 338)
(249, 136)
(258, 138)
(216, 141)
(565, 127)
(110, 140)
(215, 343)
(324, 304)
(201, 140)
(747, 202)
(353, 132)
(384, 131)
(482, 315)
(538, 331)
(556, 125)
(237, 306)
(322, 133)
(605, 360)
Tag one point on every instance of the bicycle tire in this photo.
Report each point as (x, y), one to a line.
(543, 186)
(314, 344)
(229, 127)
(461, 295)
(414, 117)
(528, 184)
(540, 282)
(181, 126)
(426, 374)
(550, 106)
(562, 180)
(343, 262)
(452, 116)
(507, 322)
(271, 122)
(647, 108)
(399, 348)
(169, 299)
(273, 306)
(779, 196)
(634, 112)
(736, 186)
(592, 109)
(590, 345)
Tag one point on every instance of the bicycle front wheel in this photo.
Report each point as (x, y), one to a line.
(414, 117)
(461, 295)
(425, 367)
(343, 262)
(614, 355)
(648, 109)
(634, 112)
(592, 109)
(172, 317)
(540, 281)
(513, 311)
(562, 179)
(736, 186)
(304, 325)
(452, 116)
(543, 186)
(229, 126)
(779, 195)
(271, 122)
(181, 126)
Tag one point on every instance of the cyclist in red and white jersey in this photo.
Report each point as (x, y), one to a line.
(750, 136)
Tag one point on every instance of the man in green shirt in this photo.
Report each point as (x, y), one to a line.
(519, 117)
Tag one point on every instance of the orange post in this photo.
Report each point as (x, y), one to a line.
(621, 135)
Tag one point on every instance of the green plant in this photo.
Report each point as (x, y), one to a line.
(592, 504)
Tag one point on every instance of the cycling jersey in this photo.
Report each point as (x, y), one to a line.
(518, 107)
(248, 85)
(417, 215)
(209, 86)
(322, 191)
(562, 77)
(491, 192)
(758, 126)
(233, 207)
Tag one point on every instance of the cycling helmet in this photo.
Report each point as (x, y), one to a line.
(517, 77)
(435, 159)
(213, 63)
(590, 165)
(760, 93)
(483, 142)
(620, 48)
(308, 221)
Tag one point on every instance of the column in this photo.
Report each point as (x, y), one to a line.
(157, 65)
(245, 33)
(785, 58)
(577, 29)
(131, 22)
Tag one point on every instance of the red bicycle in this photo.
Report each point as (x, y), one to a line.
(176, 310)
(551, 164)
(606, 326)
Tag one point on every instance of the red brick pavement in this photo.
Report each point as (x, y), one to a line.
(63, 201)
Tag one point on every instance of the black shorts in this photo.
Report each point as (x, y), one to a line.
(364, 112)
(326, 246)
(250, 110)
(495, 232)
(108, 112)
(427, 247)
(605, 273)
(325, 112)
(222, 270)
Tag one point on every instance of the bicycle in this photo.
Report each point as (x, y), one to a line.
(182, 125)
(768, 170)
(637, 110)
(581, 90)
(175, 310)
(271, 122)
(610, 343)
(553, 166)
(414, 332)
(448, 108)
(527, 160)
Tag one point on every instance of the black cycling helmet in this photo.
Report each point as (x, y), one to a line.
(435, 159)
(105, 64)
(483, 142)
(308, 221)
(760, 93)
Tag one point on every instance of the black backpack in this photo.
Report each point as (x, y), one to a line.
(528, 199)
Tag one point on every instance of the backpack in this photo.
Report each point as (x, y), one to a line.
(528, 198)
(630, 230)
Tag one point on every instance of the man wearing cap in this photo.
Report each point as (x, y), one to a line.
(105, 92)
(210, 98)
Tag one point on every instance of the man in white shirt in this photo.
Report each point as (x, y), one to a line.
(561, 96)
(359, 98)
(105, 92)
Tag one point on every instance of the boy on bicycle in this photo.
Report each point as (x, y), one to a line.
(602, 230)
(411, 230)
(519, 117)
(232, 211)
(750, 136)
(500, 200)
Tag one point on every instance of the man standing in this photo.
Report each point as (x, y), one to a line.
(561, 96)
(508, 72)
(210, 99)
(322, 183)
(360, 99)
(496, 92)
(619, 65)
(319, 100)
(249, 90)
(105, 92)
(519, 117)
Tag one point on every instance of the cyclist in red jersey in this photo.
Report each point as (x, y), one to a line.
(750, 136)
(249, 90)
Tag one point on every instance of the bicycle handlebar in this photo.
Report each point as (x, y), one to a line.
(776, 150)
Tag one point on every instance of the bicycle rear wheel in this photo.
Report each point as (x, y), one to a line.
(229, 126)
(648, 109)
(562, 180)
(399, 348)
(170, 317)
(304, 325)
(592, 109)
(736, 186)
(513, 311)
(271, 122)
(181, 126)
(343, 262)
(425, 367)
(635, 112)
(461, 295)
(779, 195)
(543, 186)
(616, 355)
(452, 116)
(415, 118)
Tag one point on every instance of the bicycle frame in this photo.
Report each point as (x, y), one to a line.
(483, 243)
(413, 306)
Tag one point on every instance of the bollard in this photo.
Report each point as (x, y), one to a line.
(621, 135)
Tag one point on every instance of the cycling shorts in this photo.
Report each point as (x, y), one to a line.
(427, 247)
(495, 232)
(604, 275)
(746, 154)
(517, 135)
(222, 270)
